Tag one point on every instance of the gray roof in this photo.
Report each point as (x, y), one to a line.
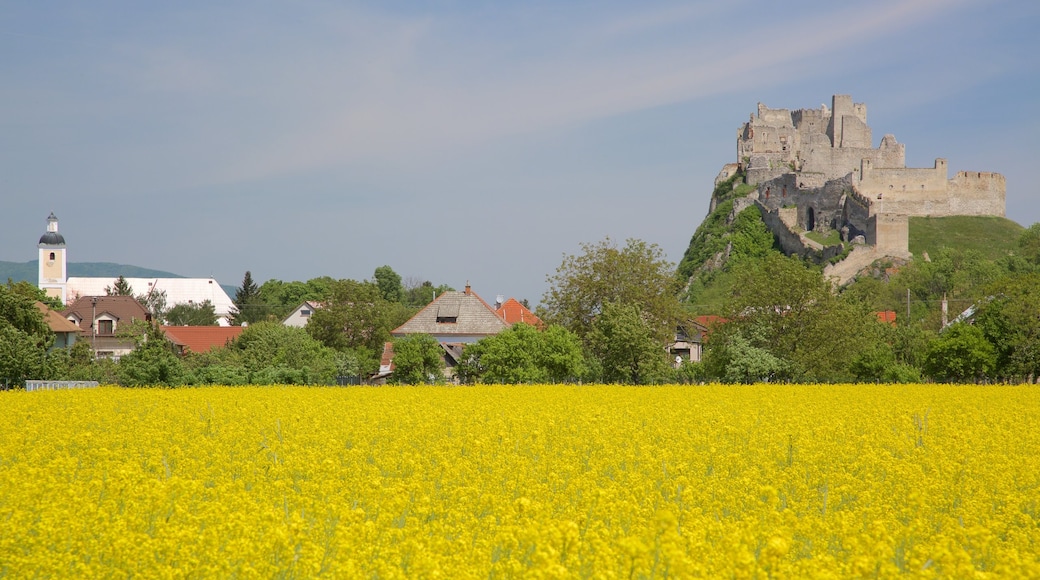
(454, 314)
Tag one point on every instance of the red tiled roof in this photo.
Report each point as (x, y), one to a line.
(888, 316)
(201, 338)
(513, 311)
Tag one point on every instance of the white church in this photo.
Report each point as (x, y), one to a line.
(55, 281)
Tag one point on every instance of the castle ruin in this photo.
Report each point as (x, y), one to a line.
(817, 170)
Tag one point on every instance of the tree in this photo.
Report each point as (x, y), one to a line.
(201, 314)
(152, 363)
(420, 293)
(737, 360)
(627, 347)
(120, 288)
(1029, 244)
(522, 354)
(249, 305)
(960, 354)
(788, 310)
(24, 337)
(634, 275)
(1008, 319)
(270, 353)
(418, 359)
(155, 303)
(389, 283)
(358, 319)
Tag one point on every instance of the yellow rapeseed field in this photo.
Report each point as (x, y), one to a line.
(543, 481)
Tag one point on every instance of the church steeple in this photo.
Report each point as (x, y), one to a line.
(53, 272)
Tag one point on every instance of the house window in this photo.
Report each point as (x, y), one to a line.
(104, 326)
(52, 257)
(305, 313)
(447, 319)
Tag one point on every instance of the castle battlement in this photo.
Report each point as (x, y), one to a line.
(822, 161)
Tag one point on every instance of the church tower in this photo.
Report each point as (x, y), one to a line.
(53, 272)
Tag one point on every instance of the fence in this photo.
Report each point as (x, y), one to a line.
(58, 385)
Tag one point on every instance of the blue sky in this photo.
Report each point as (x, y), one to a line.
(461, 141)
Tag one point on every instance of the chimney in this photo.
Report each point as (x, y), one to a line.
(467, 288)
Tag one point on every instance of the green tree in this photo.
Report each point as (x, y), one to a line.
(737, 360)
(152, 363)
(1029, 244)
(960, 354)
(24, 337)
(628, 347)
(1009, 321)
(120, 288)
(389, 283)
(356, 318)
(249, 305)
(418, 294)
(155, 303)
(270, 352)
(634, 275)
(201, 314)
(788, 310)
(418, 359)
(281, 298)
(522, 354)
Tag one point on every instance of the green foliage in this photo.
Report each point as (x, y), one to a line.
(522, 354)
(389, 283)
(357, 318)
(1008, 319)
(155, 303)
(960, 354)
(201, 314)
(734, 359)
(637, 274)
(24, 336)
(34, 293)
(418, 359)
(272, 352)
(152, 363)
(782, 307)
(418, 294)
(282, 298)
(627, 347)
(120, 288)
(249, 305)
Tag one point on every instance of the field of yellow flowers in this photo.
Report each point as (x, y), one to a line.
(543, 481)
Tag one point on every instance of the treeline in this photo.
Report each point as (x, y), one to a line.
(610, 311)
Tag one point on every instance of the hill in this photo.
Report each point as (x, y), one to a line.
(733, 230)
(993, 237)
(29, 271)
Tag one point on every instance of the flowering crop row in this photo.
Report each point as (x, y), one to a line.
(541, 481)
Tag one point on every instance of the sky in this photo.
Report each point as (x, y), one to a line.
(462, 141)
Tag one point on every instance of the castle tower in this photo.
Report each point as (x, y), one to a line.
(53, 271)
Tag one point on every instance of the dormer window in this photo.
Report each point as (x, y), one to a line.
(305, 313)
(105, 327)
(447, 319)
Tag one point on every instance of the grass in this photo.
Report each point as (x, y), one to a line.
(991, 236)
(831, 238)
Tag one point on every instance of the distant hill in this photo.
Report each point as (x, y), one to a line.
(29, 271)
(991, 236)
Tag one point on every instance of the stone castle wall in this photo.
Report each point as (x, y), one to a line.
(819, 169)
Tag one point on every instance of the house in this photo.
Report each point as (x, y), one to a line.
(177, 291)
(100, 320)
(451, 356)
(690, 337)
(513, 311)
(65, 331)
(200, 339)
(302, 314)
(454, 317)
